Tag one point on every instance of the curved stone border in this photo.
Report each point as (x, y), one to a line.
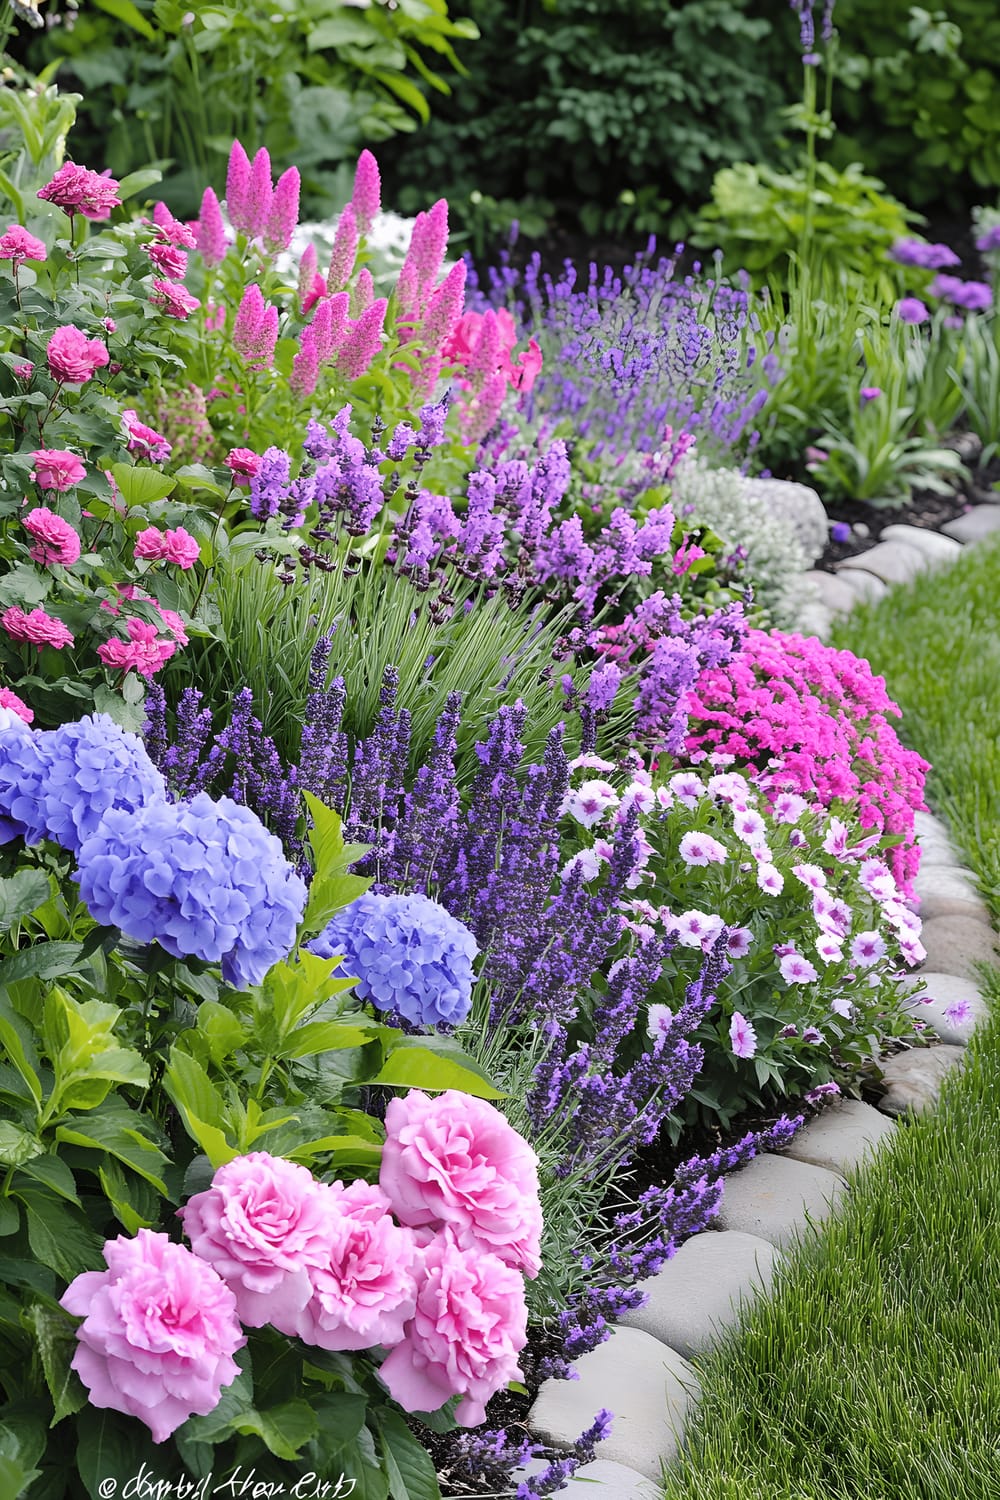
(641, 1372)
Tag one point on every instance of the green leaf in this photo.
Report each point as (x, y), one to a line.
(224, 1033)
(200, 1105)
(322, 1036)
(59, 1237)
(332, 887)
(140, 485)
(55, 1336)
(20, 895)
(41, 961)
(19, 1047)
(145, 177)
(111, 1446)
(25, 586)
(14, 1477)
(131, 1215)
(17, 1145)
(22, 1433)
(412, 1475)
(236, 1400)
(197, 477)
(53, 1172)
(113, 1133)
(10, 1217)
(283, 1428)
(125, 11)
(420, 1068)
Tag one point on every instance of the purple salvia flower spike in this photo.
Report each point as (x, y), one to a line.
(345, 249)
(210, 236)
(237, 187)
(367, 193)
(284, 214)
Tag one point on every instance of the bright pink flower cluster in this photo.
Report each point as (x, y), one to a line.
(75, 189)
(72, 357)
(263, 210)
(16, 705)
(822, 714)
(173, 298)
(57, 469)
(56, 541)
(145, 651)
(178, 546)
(243, 464)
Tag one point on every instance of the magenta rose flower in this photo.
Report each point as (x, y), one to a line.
(158, 1335)
(72, 357)
(56, 541)
(177, 546)
(77, 190)
(144, 441)
(145, 651)
(16, 705)
(57, 469)
(455, 1160)
(366, 1290)
(173, 298)
(243, 464)
(17, 244)
(265, 1225)
(36, 627)
(470, 1325)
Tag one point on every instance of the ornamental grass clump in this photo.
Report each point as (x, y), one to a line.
(816, 719)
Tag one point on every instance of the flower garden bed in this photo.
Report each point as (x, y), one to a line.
(431, 861)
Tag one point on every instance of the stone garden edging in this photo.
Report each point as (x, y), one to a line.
(643, 1371)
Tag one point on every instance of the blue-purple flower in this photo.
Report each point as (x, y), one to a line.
(204, 879)
(407, 953)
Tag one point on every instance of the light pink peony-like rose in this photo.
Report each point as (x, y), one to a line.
(455, 1160)
(265, 1226)
(36, 627)
(57, 542)
(145, 651)
(72, 357)
(57, 469)
(470, 1325)
(158, 1335)
(366, 1290)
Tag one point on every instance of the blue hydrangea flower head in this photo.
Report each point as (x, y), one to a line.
(93, 766)
(22, 772)
(407, 953)
(204, 879)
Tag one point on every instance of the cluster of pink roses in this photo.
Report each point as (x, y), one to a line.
(427, 1265)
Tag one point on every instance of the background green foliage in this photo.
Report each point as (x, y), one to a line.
(920, 105)
(176, 81)
(607, 114)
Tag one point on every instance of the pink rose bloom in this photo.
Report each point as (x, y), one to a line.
(24, 371)
(243, 464)
(469, 1327)
(12, 702)
(177, 546)
(524, 371)
(55, 469)
(173, 622)
(158, 1335)
(174, 298)
(455, 1160)
(57, 541)
(77, 190)
(366, 1289)
(145, 651)
(169, 260)
(17, 244)
(144, 441)
(72, 357)
(38, 628)
(265, 1225)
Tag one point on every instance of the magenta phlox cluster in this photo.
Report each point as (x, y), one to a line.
(823, 716)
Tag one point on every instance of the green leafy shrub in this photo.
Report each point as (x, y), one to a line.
(168, 82)
(623, 108)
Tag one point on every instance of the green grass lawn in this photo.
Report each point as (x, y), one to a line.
(874, 1369)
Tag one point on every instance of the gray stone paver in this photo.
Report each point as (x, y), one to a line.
(649, 1387)
(605, 1480)
(842, 1137)
(893, 562)
(955, 945)
(975, 526)
(930, 995)
(776, 1198)
(939, 550)
(945, 880)
(928, 825)
(913, 1079)
(837, 595)
(866, 586)
(698, 1292)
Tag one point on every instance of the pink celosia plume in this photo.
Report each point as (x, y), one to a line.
(363, 341)
(210, 236)
(284, 215)
(367, 192)
(237, 188)
(345, 249)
